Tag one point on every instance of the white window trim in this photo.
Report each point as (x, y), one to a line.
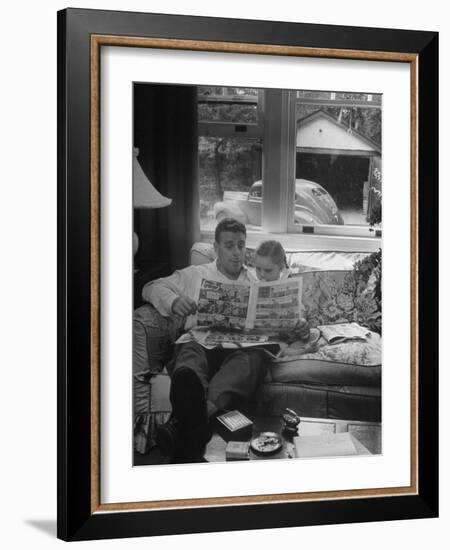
(236, 129)
(305, 242)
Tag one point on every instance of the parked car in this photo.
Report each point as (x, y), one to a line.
(313, 205)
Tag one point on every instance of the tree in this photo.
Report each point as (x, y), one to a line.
(227, 161)
(365, 120)
(232, 163)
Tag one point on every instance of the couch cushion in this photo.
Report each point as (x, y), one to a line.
(156, 411)
(352, 363)
(153, 338)
(298, 261)
(316, 371)
(331, 297)
(153, 341)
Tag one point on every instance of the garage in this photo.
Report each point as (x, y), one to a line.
(341, 159)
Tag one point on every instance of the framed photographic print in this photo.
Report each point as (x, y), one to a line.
(247, 252)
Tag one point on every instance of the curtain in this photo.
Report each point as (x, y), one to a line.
(165, 132)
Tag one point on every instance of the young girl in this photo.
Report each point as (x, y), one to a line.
(271, 265)
(270, 261)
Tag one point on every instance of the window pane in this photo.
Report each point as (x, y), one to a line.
(340, 97)
(338, 158)
(224, 112)
(228, 170)
(226, 92)
(224, 104)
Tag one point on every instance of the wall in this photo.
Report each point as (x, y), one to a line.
(28, 274)
(322, 133)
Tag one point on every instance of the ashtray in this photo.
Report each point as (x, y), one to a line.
(266, 443)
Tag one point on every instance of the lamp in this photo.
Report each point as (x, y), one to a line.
(144, 194)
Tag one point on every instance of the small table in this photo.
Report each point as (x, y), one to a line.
(366, 436)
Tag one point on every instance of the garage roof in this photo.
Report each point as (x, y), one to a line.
(320, 132)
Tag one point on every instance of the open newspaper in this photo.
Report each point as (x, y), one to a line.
(343, 332)
(239, 314)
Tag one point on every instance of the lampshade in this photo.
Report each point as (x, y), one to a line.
(145, 195)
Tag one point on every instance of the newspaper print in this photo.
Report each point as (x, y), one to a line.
(215, 338)
(222, 305)
(278, 305)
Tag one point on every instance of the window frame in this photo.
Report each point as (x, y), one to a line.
(277, 127)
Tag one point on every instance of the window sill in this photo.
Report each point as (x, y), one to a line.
(300, 241)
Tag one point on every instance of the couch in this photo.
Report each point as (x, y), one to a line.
(340, 381)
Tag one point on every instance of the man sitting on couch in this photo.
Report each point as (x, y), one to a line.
(204, 382)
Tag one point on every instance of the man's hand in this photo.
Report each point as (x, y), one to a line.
(183, 306)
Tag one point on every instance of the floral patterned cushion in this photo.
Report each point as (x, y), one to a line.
(357, 352)
(365, 354)
(331, 297)
(153, 341)
(352, 363)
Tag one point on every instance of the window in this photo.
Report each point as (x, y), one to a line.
(228, 169)
(338, 148)
(229, 111)
(230, 155)
(286, 162)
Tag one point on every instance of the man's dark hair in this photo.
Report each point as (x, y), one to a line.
(229, 224)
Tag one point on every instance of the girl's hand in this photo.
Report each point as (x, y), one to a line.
(302, 329)
(299, 332)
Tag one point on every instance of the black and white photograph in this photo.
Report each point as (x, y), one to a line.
(257, 274)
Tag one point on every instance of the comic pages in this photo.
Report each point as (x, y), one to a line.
(242, 315)
(250, 314)
(223, 305)
(275, 306)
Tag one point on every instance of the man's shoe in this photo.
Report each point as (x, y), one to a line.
(189, 407)
(169, 438)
